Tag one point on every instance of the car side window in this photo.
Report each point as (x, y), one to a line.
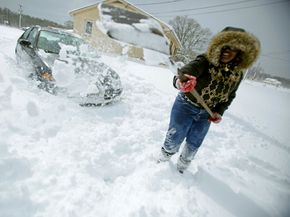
(26, 33)
(32, 35)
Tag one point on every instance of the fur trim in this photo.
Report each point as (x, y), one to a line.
(246, 42)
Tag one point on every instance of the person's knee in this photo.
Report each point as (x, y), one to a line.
(174, 137)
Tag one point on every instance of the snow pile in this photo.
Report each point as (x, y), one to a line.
(155, 58)
(60, 159)
(79, 74)
(144, 32)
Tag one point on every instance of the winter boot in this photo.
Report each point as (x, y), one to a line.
(164, 155)
(182, 164)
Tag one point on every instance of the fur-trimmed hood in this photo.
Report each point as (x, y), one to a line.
(235, 38)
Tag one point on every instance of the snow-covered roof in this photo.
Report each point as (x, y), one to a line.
(133, 28)
(83, 8)
(272, 81)
(167, 27)
(170, 28)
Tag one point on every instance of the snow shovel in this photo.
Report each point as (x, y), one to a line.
(201, 102)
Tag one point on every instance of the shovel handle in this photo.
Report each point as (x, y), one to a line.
(201, 101)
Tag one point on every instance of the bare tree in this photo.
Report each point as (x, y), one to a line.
(193, 37)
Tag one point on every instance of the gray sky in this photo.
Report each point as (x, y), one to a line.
(267, 19)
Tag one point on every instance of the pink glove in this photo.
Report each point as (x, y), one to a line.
(188, 85)
(216, 119)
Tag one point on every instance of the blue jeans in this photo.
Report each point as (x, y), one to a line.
(189, 122)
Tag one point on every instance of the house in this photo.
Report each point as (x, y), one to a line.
(272, 81)
(116, 26)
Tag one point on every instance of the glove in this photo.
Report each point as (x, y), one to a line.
(188, 85)
(216, 119)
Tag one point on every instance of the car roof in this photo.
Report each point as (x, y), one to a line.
(58, 30)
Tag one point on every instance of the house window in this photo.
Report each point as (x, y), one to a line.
(89, 27)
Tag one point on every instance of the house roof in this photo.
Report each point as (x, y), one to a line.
(166, 27)
(72, 12)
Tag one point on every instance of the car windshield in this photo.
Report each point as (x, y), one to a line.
(49, 41)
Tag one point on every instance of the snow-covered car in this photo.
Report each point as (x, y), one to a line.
(63, 63)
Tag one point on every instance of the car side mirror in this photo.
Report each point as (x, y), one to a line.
(25, 43)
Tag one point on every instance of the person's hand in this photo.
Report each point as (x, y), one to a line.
(188, 85)
(217, 118)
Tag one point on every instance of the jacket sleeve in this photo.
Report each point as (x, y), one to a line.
(195, 68)
(222, 107)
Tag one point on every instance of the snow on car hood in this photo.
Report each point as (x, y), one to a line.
(48, 58)
(79, 71)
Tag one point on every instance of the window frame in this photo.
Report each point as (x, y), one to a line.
(32, 36)
(90, 32)
(26, 33)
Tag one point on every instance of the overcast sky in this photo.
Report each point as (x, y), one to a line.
(267, 19)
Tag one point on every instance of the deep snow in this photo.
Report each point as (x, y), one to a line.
(59, 159)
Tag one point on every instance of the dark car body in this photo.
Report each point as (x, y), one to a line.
(42, 49)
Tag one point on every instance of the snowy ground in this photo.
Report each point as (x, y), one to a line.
(62, 160)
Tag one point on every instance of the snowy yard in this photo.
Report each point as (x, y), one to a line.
(58, 159)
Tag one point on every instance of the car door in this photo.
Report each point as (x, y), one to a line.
(18, 50)
(25, 49)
